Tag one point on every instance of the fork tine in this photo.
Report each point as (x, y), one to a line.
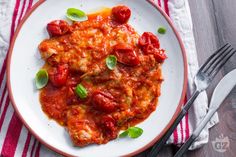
(215, 57)
(216, 53)
(221, 64)
(218, 60)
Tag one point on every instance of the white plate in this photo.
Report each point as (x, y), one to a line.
(24, 61)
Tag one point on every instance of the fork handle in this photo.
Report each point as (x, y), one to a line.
(158, 146)
(185, 146)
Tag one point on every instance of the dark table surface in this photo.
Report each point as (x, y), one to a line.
(214, 24)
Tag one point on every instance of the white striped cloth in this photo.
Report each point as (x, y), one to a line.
(15, 140)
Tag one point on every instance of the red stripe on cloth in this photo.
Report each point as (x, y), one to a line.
(181, 125)
(14, 18)
(17, 5)
(3, 95)
(166, 7)
(175, 134)
(12, 136)
(32, 150)
(22, 11)
(4, 111)
(38, 150)
(26, 147)
(159, 3)
(30, 5)
(181, 131)
(4, 65)
(187, 127)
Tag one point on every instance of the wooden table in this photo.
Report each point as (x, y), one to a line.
(214, 24)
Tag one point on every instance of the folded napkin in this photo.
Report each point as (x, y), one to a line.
(15, 140)
(179, 13)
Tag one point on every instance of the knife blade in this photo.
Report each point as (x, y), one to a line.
(224, 87)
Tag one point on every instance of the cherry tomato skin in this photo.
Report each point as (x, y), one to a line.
(121, 14)
(148, 38)
(58, 75)
(148, 49)
(160, 56)
(103, 102)
(126, 55)
(57, 28)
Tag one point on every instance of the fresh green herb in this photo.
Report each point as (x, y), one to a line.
(124, 134)
(161, 30)
(111, 62)
(135, 132)
(41, 79)
(81, 91)
(132, 132)
(76, 15)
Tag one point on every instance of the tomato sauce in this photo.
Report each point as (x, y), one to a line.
(116, 99)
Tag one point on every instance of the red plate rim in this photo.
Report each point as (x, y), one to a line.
(181, 101)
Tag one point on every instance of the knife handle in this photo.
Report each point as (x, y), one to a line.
(158, 146)
(204, 122)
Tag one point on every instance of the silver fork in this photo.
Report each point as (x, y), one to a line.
(202, 80)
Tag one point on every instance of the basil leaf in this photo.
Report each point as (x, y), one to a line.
(124, 134)
(111, 62)
(41, 79)
(135, 132)
(132, 132)
(81, 91)
(161, 30)
(76, 15)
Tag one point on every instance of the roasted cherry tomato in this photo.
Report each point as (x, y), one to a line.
(103, 102)
(109, 126)
(149, 43)
(125, 54)
(121, 14)
(57, 28)
(58, 75)
(148, 38)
